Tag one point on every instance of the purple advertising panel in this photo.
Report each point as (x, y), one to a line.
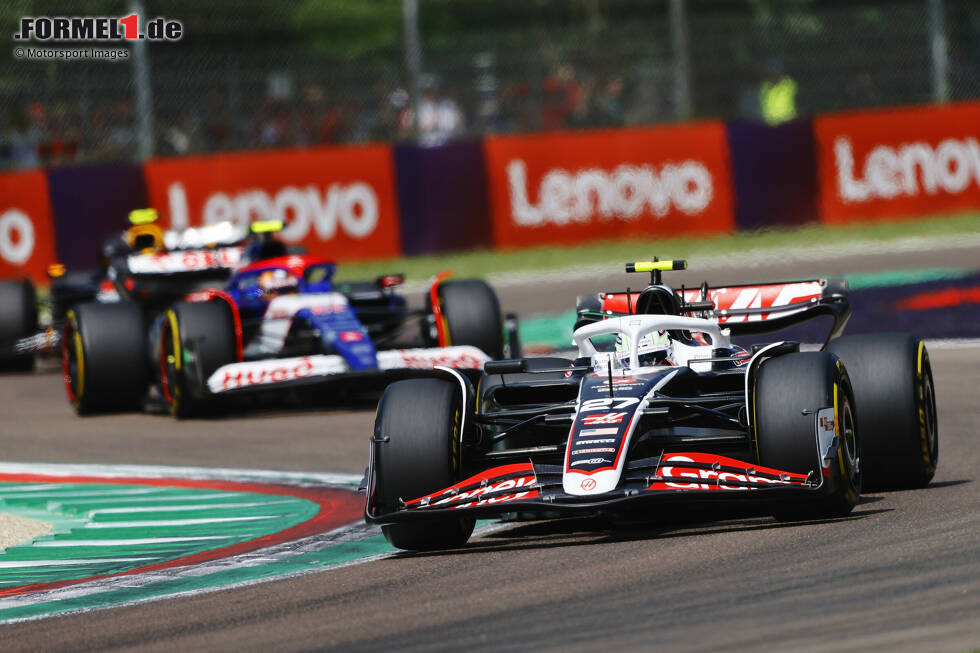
(442, 194)
(89, 204)
(775, 174)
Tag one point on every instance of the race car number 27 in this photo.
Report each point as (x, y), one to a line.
(608, 403)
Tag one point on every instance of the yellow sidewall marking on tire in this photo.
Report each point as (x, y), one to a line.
(79, 357)
(175, 334)
(921, 409)
(840, 440)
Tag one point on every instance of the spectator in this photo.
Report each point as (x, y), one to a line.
(777, 95)
(562, 93)
(609, 104)
(439, 117)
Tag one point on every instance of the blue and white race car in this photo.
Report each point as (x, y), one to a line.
(280, 322)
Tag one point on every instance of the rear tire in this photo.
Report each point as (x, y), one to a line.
(196, 338)
(472, 314)
(416, 453)
(896, 408)
(786, 436)
(104, 357)
(18, 319)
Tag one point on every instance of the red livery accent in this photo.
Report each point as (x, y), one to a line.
(604, 418)
(351, 336)
(678, 477)
(492, 480)
(441, 327)
(210, 294)
(768, 295)
(295, 263)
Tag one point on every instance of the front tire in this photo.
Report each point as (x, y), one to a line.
(416, 453)
(196, 338)
(786, 435)
(472, 314)
(896, 402)
(104, 357)
(18, 319)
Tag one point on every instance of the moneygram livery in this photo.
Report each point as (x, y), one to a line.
(575, 186)
(899, 162)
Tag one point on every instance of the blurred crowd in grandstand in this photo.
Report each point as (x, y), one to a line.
(64, 131)
(252, 75)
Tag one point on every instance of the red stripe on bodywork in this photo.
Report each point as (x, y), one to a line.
(491, 476)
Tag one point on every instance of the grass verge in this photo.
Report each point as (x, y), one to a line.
(482, 263)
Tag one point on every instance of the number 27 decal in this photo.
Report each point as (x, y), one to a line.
(608, 403)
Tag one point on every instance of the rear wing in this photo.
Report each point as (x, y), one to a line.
(745, 309)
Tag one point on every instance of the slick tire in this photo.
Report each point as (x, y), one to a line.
(18, 319)
(103, 357)
(196, 338)
(417, 452)
(472, 314)
(896, 408)
(786, 436)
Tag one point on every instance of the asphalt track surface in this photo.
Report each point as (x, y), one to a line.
(902, 573)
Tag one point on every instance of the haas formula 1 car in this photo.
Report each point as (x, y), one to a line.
(659, 406)
(280, 322)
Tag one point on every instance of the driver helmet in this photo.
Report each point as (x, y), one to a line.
(144, 235)
(277, 282)
(654, 350)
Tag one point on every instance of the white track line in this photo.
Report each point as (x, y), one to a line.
(160, 471)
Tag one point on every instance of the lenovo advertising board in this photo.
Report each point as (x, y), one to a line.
(573, 187)
(27, 244)
(899, 162)
(337, 202)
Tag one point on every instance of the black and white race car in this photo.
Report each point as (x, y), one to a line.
(659, 406)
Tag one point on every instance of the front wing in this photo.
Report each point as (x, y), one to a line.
(303, 370)
(529, 487)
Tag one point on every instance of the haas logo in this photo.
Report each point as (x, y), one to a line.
(604, 418)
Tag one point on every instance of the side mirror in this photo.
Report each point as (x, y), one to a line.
(505, 367)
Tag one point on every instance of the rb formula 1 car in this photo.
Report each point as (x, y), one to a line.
(280, 322)
(659, 406)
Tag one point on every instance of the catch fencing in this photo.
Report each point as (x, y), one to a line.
(253, 74)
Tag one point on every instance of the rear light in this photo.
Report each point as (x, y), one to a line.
(56, 270)
(391, 280)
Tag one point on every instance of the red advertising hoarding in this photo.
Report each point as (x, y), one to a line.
(337, 202)
(898, 162)
(572, 187)
(26, 231)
